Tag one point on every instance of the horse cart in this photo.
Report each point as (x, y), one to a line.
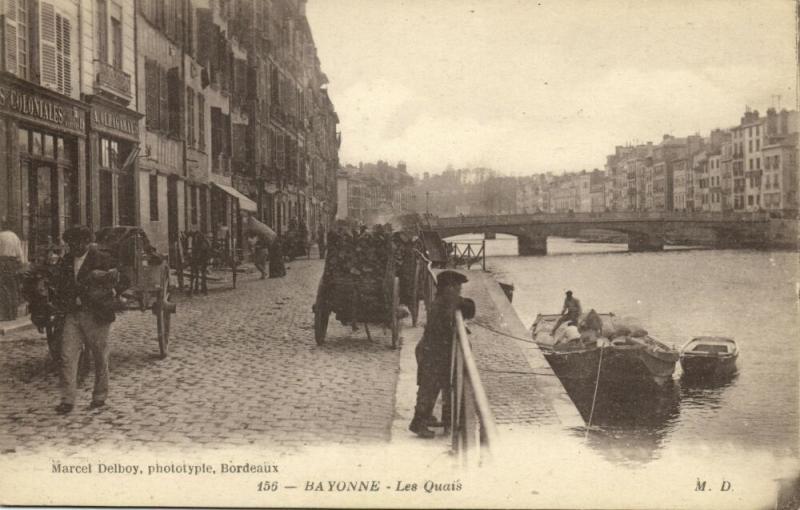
(143, 272)
(201, 254)
(359, 284)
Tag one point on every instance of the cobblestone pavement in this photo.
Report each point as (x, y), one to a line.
(243, 370)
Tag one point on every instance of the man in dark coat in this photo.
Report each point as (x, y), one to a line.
(85, 292)
(434, 351)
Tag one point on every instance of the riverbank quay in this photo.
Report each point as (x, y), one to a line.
(525, 395)
(522, 389)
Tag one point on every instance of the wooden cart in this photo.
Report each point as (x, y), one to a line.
(352, 298)
(147, 273)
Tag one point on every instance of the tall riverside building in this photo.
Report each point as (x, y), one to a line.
(171, 115)
(292, 124)
(44, 186)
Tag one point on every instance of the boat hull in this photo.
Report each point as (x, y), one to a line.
(619, 365)
(708, 366)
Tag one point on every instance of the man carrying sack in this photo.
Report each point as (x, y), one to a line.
(85, 292)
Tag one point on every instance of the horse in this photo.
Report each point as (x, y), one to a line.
(200, 252)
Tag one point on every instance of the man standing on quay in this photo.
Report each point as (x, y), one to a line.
(433, 352)
(85, 293)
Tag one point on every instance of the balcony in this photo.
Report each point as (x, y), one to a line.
(112, 82)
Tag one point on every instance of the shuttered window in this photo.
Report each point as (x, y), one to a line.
(47, 45)
(102, 31)
(55, 47)
(151, 77)
(116, 42)
(64, 54)
(174, 95)
(190, 117)
(15, 38)
(163, 101)
(10, 37)
(201, 120)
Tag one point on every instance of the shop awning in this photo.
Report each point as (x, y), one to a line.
(245, 203)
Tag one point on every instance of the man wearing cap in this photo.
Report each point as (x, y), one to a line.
(570, 312)
(85, 291)
(433, 352)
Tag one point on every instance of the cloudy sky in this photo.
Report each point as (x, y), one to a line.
(530, 86)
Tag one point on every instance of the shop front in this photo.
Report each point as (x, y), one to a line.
(42, 163)
(113, 144)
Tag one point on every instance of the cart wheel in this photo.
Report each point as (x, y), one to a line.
(321, 315)
(395, 306)
(415, 293)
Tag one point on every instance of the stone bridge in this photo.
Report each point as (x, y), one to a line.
(646, 231)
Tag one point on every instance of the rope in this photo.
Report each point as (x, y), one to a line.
(502, 333)
(594, 398)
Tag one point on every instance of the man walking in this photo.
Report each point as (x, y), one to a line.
(12, 260)
(433, 352)
(84, 291)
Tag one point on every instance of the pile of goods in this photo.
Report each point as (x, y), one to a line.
(405, 263)
(604, 330)
(359, 270)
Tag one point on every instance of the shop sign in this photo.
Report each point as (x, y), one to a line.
(32, 106)
(105, 119)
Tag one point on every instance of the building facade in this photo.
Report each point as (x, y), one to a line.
(172, 115)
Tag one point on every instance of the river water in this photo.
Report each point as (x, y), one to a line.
(678, 294)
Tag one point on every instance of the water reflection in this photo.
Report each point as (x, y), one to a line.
(629, 425)
(705, 392)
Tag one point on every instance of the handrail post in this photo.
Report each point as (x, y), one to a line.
(473, 421)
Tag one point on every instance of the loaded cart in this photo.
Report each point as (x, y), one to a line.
(359, 284)
(147, 273)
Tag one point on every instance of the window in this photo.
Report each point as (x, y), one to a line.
(15, 41)
(22, 140)
(173, 108)
(153, 197)
(758, 144)
(55, 49)
(151, 80)
(750, 145)
(758, 163)
(190, 117)
(116, 42)
(102, 31)
(201, 120)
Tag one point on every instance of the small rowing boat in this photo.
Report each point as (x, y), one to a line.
(709, 356)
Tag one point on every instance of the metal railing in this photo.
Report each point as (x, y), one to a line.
(472, 425)
(463, 254)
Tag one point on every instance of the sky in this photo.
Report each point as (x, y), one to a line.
(530, 86)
